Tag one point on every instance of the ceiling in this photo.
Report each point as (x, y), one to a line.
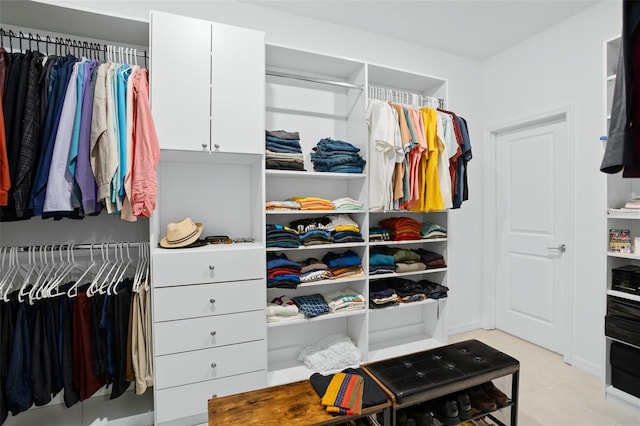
(475, 29)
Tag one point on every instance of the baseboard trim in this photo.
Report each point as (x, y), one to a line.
(587, 366)
(463, 328)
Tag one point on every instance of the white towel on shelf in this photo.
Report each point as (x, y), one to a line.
(334, 352)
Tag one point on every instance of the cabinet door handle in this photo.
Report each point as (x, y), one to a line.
(215, 395)
(213, 365)
(212, 300)
(212, 267)
(213, 332)
(216, 147)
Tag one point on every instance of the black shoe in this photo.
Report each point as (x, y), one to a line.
(464, 406)
(446, 411)
(421, 415)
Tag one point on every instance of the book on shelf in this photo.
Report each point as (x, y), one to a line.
(620, 241)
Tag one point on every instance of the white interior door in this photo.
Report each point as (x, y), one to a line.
(532, 218)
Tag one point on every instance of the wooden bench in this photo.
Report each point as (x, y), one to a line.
(293, 404)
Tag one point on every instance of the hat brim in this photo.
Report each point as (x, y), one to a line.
(167, 244)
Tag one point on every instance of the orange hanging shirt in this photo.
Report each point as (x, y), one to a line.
(5, 179)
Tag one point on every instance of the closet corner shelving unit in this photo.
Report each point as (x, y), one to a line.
(619, 191)
(326, 96)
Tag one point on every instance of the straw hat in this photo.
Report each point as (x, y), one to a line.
(181, 234)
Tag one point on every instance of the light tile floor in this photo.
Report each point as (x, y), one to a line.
(552, 392)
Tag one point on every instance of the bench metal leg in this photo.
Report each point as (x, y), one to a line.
(515, 385)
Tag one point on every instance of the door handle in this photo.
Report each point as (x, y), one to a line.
(561, 248)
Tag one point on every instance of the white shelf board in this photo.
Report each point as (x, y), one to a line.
(313, 212)
(633, 256)
(323, 283)
(280, 57)
(208, 248)
(403, 80)
(294, 371)
(404, 305)
(613, 339)
(293, 174)
(393, 348)
(623, 295)
(317, 246)
(395, 243)
(325, 317)
(623, 215)
(622, 396)
(406, 274)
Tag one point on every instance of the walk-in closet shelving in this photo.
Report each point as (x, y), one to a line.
(45, 20)
(619, 191)
(319, 96)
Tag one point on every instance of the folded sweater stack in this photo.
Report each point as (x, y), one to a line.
(345, 300)
(282, 309)
(342, 265)
(282, 272)
(313, 203)
(402, 228)
(282, 236)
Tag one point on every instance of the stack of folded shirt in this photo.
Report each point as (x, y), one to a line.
(381, 294)
(344, 394)
(402, 228)
(313, 270)
(282, 205)
(345, 229)
(433, 290)
(312, 305)
(378, 234)
(431, 259)
(282, 236)
(407, 290)
(282, 309)
(313, 203)
(343, 265)
(347, 203)
(380, 262)
(345, 300)
(282, 272)
(283, 151)
(313, 231)
(406, 260)
(336, 156)
(432, 230)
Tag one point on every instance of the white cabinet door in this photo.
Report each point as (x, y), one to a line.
(180, 81)
(237, 95)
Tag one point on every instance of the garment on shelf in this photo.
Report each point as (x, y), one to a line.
(283, 151)
(402, 228)
(282, 236)
(381, 295)
(313, 270)
(431, 259)
(336, 156)
(282, 205)
(433, 290)
(312, 305)
(432, 230)
(312, 224)
(379, 234)
(344, 394)
(343, 264)
(346, 203)
(418, 158)
(345, 300)
(79, 137)
(333, 352)
(282, 309)
(372, 393)
(313, 203)
(282, 272)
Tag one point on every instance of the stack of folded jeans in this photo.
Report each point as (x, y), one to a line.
(330, 155)
(282, 272)
(283, 151)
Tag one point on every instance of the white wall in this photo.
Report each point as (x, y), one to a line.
(564, 66)
(465, 247)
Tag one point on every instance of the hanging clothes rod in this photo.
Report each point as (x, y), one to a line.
(400, 96)
(84, 246)
(67, 44)
(314, 80)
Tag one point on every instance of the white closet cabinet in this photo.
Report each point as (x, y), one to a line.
(208, 302)
(619, 191)
(210, 81)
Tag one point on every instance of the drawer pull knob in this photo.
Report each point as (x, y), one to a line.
(213, 365)
(212, 300)
(214, 395)
(205, 146)
(212, 267)
(213, 332)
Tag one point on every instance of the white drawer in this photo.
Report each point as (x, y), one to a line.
(207, 364)
(191, 400)
(205, 265)
(209, 332)
(193, 301)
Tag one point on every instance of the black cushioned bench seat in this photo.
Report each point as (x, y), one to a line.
(440, 371)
